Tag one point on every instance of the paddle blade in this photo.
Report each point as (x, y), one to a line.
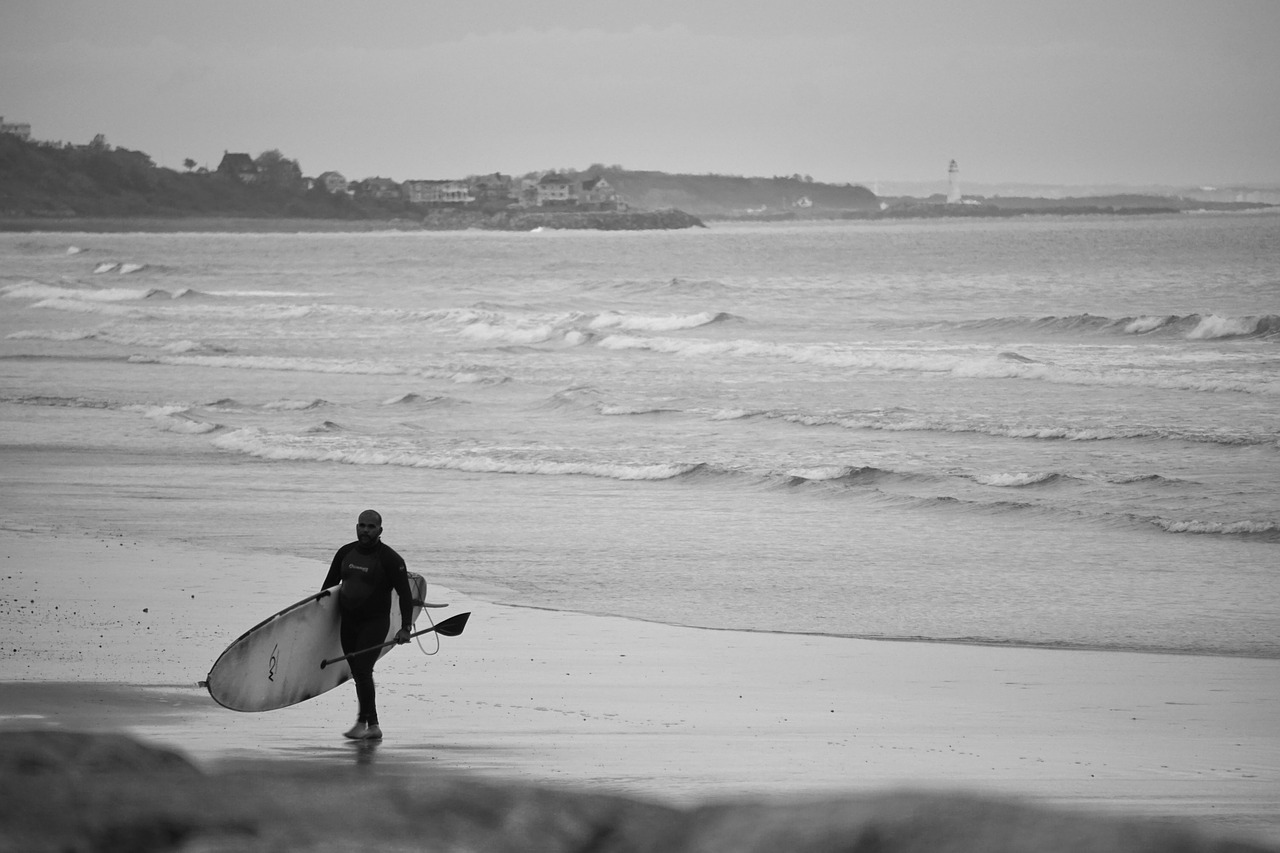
(453, 626)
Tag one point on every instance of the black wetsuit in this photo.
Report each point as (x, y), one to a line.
(368, 574)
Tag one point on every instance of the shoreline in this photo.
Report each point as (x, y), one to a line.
(640, 709)
(432, 221)
(942, 641)
(201, 225)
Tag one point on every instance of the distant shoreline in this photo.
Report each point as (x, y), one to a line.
(200, 224)
(630, 221)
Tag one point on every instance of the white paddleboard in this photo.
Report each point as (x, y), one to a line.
(276, 663)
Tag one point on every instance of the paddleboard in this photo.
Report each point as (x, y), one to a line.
(276, 663)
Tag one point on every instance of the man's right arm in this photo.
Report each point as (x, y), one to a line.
(335, 569)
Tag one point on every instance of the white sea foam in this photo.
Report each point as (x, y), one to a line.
(80, 306)
(262, 362)
(638, 322)
(109, 336)
(732, 414)
(1226, 528)
(821, 473)
(63, 335)
(183, 346)
(33, 290)
(293, 405)
(267, 294)
(511, 334)
(1213, 326)
(411, 399)
(1142, 325)
(120, 306)
(319, 365)
(173, 419)
(1013, 479)
(927, 423)
(257, 443)
(977, 364)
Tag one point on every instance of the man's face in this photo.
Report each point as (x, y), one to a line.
(368, 529)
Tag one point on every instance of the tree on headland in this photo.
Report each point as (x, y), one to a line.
(97, 180)
(188, 164)
(277, 170)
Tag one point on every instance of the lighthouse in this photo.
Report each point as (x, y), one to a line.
(953, 183)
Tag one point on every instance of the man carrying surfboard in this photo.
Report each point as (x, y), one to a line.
(368, 570)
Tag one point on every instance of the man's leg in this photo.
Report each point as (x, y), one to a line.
(358, 635)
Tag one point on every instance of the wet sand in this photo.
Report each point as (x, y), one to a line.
(104, 634)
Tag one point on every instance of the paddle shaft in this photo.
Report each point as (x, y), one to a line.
(450, 627)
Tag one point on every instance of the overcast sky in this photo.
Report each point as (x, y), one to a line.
(1076, 92)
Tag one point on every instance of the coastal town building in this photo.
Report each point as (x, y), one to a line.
(555, 190)
(332, 182)
(22, 130)
(492, 189)
(437, 192)
(238, 166)
(384, 189)
(598, 193)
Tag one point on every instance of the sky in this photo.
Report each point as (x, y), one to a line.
(1083, 92)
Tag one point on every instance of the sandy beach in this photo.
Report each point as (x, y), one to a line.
(99, 637)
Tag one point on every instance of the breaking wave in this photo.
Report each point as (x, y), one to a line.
(1017, 480)
(1191, 327)
(257, 443)
(418, 400)
(481, 376)
(111, 336)
(1265, 530)
(118, 267)
(295, 405)
(978, 364)
(173, 419)
(43, 292)
(669, 323)
(920, 422)
(572, 328)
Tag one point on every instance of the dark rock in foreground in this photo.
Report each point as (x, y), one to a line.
(62, 791)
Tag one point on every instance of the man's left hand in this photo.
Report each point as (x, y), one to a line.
(402, 636)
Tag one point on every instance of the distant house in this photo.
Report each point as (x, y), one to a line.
(526, 194)
(22, 130)
(598, 193)
(437, 192)
(332, 182)
(379, 188)
(556, 190)
(492, 189)
(238, 166)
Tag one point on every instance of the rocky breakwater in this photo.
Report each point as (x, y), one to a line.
(525, 220)
(65, 791)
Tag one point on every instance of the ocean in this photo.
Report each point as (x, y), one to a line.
(1050, 431)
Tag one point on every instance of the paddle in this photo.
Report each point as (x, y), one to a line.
(450, 627)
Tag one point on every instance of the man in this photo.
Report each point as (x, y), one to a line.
(368, 570)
